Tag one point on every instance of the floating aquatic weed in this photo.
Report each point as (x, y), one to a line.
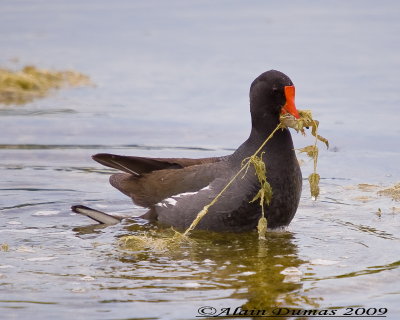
(18, 87)
(393, 192)
(367, 187)
(146, 240)
(363, 199)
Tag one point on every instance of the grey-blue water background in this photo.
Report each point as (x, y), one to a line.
(172, 79)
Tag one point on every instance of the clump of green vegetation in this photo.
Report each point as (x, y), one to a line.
(144, 241)
(393, 192)
(19, 87)
(4, 247)
(265, 192)
(306, 121)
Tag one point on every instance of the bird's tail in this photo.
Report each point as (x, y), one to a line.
(99, 216)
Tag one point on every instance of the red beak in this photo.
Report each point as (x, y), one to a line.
(289, 106)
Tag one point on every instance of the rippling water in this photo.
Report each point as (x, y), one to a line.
(172, 79)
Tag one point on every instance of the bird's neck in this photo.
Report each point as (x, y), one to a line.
(280, 142)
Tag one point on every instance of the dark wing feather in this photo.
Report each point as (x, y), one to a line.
(150, 188)
(133, 165)
(232, 211)
(141, 165)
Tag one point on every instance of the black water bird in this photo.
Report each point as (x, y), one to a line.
(176, 189)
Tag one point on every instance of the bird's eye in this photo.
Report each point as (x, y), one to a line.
(274, 89)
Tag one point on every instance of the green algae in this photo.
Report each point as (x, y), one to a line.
(4, 247)
(393, 192)
(30, 83)
(306, 120)
(264, 194)
(154, 242)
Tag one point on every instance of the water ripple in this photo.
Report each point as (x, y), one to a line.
(99, 146)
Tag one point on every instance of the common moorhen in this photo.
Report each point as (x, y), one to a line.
(176, 189)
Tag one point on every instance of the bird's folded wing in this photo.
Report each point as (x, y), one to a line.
(141, 165)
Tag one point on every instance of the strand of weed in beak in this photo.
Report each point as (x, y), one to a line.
(244, 167)
(314, 177)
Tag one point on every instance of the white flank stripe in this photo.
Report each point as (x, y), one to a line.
(161, 204)
(184, 194)
(170, 201)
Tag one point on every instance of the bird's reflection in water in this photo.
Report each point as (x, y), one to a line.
(225, 265)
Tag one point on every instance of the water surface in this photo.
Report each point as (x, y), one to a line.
(172, 79)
